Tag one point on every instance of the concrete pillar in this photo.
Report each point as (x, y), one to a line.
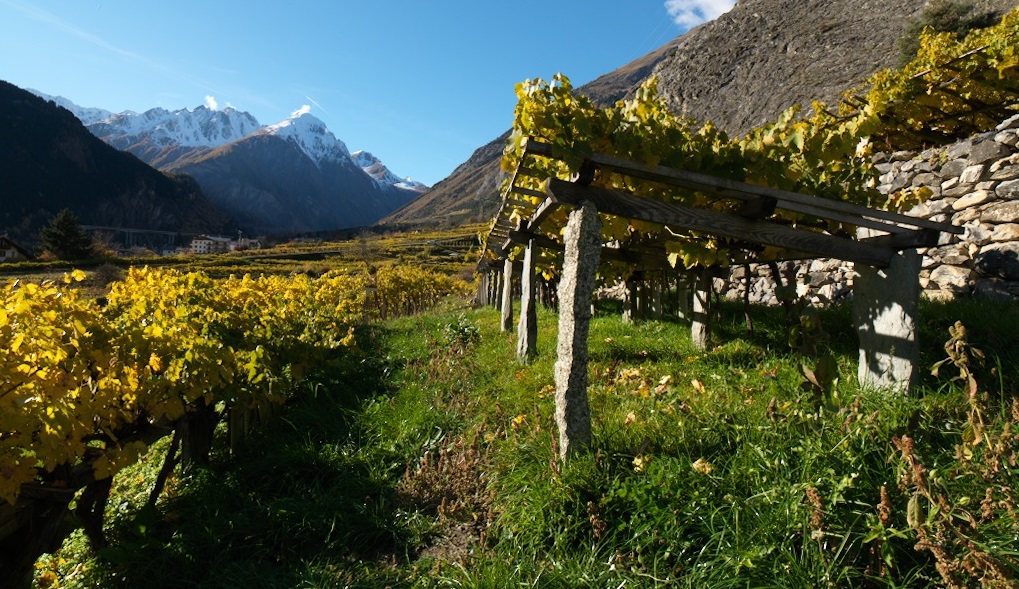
(885, 311)
(507, 296)
(527, 330)
(576, 287)
(700, 324)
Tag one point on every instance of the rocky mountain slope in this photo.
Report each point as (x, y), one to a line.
(738, 71)
(50, 161)
(293, 176)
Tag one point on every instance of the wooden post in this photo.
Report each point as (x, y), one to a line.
(576, 286)
(507, 296)
(527, 330)
(885, 311)
(700, 325)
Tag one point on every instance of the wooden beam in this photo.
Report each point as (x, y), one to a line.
(542, 213)
(905, 241)
(758, 208)
(724, 225)
(785, 199)
(542, 241)
(527, 192)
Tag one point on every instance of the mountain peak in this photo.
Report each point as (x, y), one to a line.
(201, 127)
(311, 135)
(382, 175)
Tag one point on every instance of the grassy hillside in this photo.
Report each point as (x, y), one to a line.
(431, 462)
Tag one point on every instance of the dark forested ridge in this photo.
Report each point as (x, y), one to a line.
(49, 161)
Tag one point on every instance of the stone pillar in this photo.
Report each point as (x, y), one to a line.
(527, 329)
(683, 297)
(885, 311)
(700, 324)
(630, 301)
(507, 296)
(497, 289)
(482, 296)
(656, 295)
(576, 286)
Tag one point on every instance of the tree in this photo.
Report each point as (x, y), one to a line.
(65, 238)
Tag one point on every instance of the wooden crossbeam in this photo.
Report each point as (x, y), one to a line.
(724, 225)
(542, 213)
(527, 192)
(522, 237)
(646, 259)
(787, 200)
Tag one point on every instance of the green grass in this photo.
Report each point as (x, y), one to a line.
(431, 461)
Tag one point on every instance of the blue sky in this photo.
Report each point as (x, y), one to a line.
(419, 84)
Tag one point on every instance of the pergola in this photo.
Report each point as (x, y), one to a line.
(886, 290)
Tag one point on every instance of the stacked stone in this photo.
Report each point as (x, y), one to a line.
(821, 281)
(975, 185)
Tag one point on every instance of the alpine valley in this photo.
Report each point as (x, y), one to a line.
(291, 177)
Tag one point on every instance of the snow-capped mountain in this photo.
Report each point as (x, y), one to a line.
(292, 176)
(201, 127)
(49, 161)
(311, 135)
(377, 170)
(84, 114)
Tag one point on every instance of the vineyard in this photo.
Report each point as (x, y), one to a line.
(89, 384)
(288, 419)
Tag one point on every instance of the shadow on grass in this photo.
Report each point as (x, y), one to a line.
(297, 504)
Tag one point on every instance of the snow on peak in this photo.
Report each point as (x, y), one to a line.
(311, 135)
(201, 127)
(86, 115)
(382, 175)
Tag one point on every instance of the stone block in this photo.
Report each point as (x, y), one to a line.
(960, 189)
(1008, 190)
(1005, 232)
(1011, 122)
(973, 199)
(987, 151)
(953, 168)
(954, 279)
(1009, 172)
(1001, 212)
(927, 179)
(1000, 260)
(1007, 137)
(976, 232)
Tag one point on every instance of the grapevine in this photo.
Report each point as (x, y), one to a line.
(80, 381)
(951, 88)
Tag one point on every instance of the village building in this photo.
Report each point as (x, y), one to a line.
(12, 252)
(207, 244)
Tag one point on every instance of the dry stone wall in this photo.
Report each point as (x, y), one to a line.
(974, 185)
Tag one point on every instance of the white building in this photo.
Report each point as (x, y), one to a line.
(208, 244)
